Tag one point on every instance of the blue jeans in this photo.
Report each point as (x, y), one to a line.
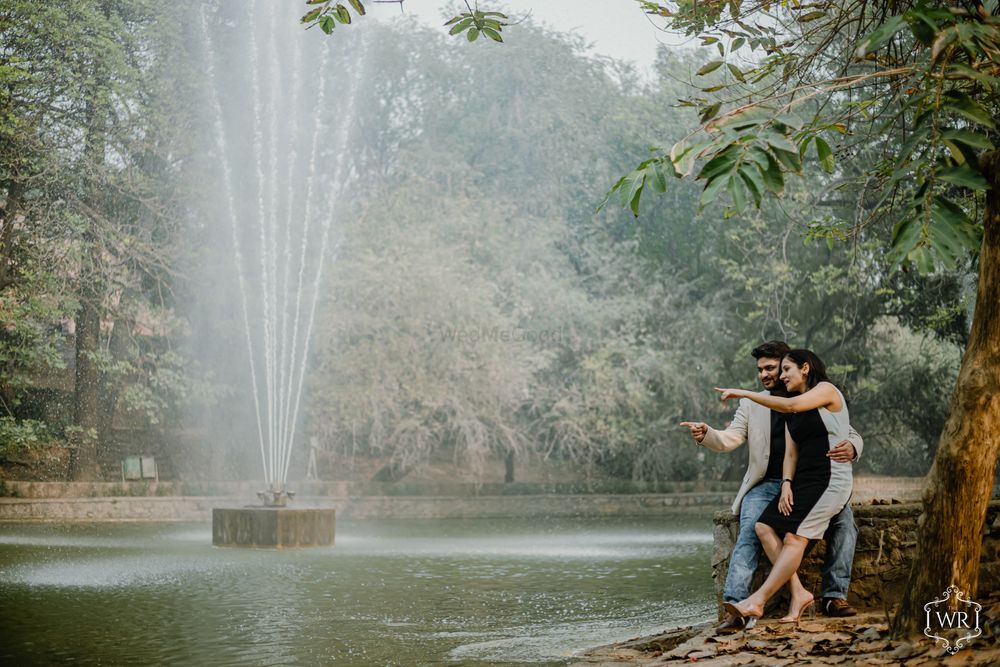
(840, 537)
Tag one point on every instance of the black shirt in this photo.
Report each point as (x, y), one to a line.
(776, 460)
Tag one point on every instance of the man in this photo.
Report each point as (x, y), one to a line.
(764, 430)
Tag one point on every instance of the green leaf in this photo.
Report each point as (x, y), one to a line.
(880, 36)
(780, 142)
(711, 191)
(722, 163)
(735, 188)
(789, 161)
(682, 158)
(754, 183)
(905, 236)
(312, 14)
(790, 119)
(967, 107)
(709, 112)
(825, 155)
(952, 234)
(710, 67)
(358, 7)
(963, 175)
(327, 24)
(991, 83)
(659, 179)
(737, 74)
(342, 14)
(923, 259)
(811, 16)
(773, 178)
(758, 156)
(492, 34)
(634, 202)
(473, 34)
(460, 26)
(614, 188)
(969, 138)
(633, 184)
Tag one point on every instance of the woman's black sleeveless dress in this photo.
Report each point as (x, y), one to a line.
(821, 487)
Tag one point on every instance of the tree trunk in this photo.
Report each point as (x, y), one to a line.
(508, 467)
(83, 464)
(961, 480)
(110, 387)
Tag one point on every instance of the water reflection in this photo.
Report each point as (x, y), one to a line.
(391, 592)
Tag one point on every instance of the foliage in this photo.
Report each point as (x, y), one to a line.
(919, 83)
(92, 118)
(457, 232)
(18, 434)
(472, 22)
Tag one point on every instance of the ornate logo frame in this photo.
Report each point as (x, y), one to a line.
(961, 642)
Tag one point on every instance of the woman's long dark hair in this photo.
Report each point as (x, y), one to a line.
(817, 369)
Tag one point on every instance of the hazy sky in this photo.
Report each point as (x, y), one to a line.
(616, 28)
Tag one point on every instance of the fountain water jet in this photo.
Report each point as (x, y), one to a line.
(285, 286)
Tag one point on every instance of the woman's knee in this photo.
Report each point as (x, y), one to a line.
(793, 540)
(763, 530)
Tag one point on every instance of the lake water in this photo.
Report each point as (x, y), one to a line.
(414, 592)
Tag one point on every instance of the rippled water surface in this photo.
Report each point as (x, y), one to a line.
(416, 592)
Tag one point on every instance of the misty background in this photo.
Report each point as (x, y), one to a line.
(476, 318)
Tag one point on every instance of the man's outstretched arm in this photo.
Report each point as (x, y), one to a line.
(725, 440)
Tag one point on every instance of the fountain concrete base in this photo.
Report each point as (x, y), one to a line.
(273, 527)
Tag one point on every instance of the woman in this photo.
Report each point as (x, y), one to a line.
(813, 489)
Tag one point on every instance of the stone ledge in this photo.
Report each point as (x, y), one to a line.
(364, 507)
(887, 537)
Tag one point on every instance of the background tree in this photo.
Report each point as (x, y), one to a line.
(89, 224)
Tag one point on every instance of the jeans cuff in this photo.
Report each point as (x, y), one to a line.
(834, 596)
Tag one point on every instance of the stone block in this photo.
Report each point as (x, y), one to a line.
(272, 527)
(883, 557)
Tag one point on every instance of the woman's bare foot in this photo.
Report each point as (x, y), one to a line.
(796, 607)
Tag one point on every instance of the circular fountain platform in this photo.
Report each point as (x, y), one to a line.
(260, 527)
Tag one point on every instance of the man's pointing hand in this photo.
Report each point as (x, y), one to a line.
(698, 430)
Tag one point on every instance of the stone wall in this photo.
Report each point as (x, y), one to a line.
(190, 508)
(886, 545)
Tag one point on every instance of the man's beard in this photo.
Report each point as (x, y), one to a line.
(779, 389)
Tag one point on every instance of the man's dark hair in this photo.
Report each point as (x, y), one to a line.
(772, 349)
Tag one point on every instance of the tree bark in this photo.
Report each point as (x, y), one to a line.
(508, 467)
(83, 462)
(961, 479)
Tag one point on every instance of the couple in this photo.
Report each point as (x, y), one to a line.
(798, 484)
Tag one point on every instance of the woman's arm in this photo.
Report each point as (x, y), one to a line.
(786, 500)
(823, 395)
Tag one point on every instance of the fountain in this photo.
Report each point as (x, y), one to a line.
(280, 238)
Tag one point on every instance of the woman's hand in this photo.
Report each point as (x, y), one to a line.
(785, 502)
(730, 393)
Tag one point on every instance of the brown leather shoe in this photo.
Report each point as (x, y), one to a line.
(838, 608)
(735, 624)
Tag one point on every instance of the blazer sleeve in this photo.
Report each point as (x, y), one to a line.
(855, 439)
(734, 435)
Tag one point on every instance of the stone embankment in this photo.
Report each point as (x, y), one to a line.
(182, 501)
(885, 552)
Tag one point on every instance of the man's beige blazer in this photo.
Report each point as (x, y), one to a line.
(752, 424)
